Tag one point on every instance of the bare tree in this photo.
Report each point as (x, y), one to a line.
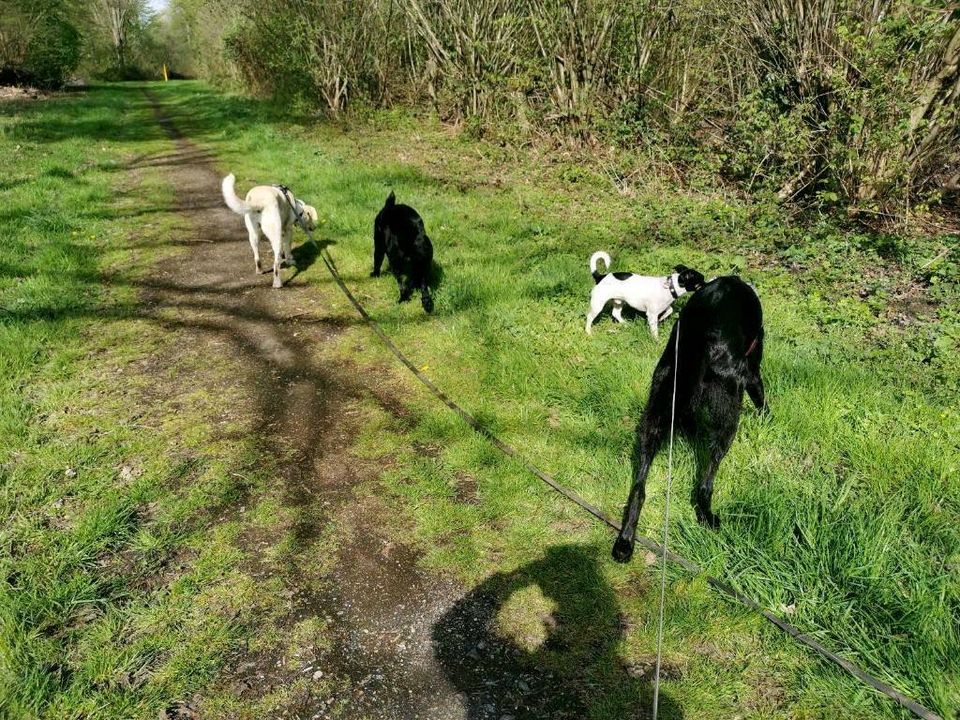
(575, 38)
(118, 20)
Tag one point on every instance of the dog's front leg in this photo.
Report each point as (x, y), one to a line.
(754, 383)
(757, 395)
(406, 290)
(652, 323)
(277, 282)
(425, 298)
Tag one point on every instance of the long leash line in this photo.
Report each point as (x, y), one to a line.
(666, 524)
(720, 586)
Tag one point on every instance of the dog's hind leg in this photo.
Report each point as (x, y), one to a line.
(650, 435)
(649, 438)
(273, 229)
(617, 311)
(596, 307)
(379, 249)
(715, 429)
(286, 249)
(665, 314)
(253, 231)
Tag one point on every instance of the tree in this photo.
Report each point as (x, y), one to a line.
(119, 21)
(39, 41)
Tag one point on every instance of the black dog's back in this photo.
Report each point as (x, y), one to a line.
(401, 220)
(720, 335)
(725, 311)
(721, 339)
(400, 236)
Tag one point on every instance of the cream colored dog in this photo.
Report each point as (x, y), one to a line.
(272, 211)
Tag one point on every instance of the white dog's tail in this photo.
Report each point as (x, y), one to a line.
(230, 197)
(599, 255)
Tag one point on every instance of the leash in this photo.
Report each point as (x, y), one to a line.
(666, 525)
(720, 586)
(297, 212)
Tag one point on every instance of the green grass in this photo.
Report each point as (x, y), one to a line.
(842, 508)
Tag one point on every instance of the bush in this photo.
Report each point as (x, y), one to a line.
(855, 104)
(38, 46)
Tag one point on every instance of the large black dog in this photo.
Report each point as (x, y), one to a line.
(399, 235)
(721, 346)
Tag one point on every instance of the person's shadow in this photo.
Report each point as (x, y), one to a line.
(562, 661)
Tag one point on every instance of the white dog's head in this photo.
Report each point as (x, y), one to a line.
(308, 216)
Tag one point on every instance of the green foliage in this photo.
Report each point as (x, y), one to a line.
(53, 53)
(850, 106)
(39, 43)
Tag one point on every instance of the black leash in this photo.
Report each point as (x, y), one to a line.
(298, 213)
(651, 545)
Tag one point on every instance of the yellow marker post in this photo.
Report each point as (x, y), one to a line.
(166, 79)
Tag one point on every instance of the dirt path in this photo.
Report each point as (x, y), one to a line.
(379, 608)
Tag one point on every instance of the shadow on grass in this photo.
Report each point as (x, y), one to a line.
(306, 254)
(565, 662)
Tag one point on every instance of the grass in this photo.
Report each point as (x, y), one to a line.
(842, 509)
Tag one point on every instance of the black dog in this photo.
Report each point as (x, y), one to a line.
(398, 233)
(721, 346)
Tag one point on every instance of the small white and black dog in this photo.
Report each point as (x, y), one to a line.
(650, 295)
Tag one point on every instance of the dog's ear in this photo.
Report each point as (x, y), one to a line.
(680, 268)
(391, 200)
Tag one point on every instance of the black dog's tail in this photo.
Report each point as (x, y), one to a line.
(391, 200)
(599, 255)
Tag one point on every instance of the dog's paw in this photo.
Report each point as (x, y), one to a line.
(622, 550)
(709, 519)
(374, 273)
(277, 282)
